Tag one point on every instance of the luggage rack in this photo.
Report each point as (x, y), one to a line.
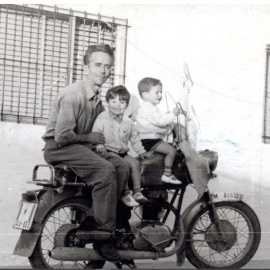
(55, 180)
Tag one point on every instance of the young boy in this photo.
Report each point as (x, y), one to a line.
(118, 130)
(151, 125)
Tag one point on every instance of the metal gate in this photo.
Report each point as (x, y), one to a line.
(41, 49)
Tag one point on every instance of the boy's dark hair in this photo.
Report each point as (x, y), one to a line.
(146, 84)
(120, 91)
(97, 48)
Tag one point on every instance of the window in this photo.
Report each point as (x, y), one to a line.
(41, 50)
(266, 118)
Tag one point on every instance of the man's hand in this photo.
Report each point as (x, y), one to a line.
(147, 155)
(96, 138)
(102, 150)
(176, 111)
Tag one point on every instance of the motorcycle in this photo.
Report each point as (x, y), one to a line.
(217, 230)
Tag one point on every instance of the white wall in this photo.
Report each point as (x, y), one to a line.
(224, 46)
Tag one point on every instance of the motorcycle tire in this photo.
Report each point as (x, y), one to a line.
(241, 232)
(56, 220)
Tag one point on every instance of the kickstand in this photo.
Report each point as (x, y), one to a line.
(129, 263)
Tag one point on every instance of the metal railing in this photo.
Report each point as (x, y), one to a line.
(41, 49)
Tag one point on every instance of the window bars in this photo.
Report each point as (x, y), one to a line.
(266, 115)
(41, 51)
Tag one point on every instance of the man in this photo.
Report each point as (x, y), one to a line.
(69, 140)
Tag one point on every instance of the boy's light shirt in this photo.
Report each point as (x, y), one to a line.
(117, 134)
(151, 122)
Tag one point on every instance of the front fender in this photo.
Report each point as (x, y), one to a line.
(192, 210)
(47, 199)
(199, 204)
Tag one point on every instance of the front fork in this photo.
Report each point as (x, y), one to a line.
(213, 214)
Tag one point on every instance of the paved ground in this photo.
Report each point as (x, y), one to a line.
(254, 264)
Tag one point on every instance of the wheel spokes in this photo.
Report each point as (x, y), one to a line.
(217, 257)
(58, 219)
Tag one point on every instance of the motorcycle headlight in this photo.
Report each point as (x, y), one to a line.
(211, 157)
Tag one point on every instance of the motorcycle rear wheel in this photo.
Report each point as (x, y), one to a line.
(62, 214)
(242, 234)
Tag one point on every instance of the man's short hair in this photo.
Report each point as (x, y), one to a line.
(146, 84)
(97, 48)
(120, 91)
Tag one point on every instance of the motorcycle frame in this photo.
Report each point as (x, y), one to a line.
(192, 209)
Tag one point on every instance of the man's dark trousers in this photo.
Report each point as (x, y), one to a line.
(107, 177)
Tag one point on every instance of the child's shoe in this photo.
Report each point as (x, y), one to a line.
(129, 201)
(138, 197)
(170, 179)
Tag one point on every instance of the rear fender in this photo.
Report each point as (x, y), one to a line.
(27, 241)
(47, 199)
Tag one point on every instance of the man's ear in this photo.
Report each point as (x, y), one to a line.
(85, 70)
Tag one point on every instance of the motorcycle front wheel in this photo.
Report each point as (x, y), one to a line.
(241, 234)
(62, 217)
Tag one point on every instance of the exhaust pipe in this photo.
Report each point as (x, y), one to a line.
(85, 254)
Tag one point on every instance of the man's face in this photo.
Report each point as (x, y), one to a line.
(99, 68)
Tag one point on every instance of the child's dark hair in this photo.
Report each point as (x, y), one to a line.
(146, 84)
(120, 91)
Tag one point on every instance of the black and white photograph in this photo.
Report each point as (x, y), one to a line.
(135, 135)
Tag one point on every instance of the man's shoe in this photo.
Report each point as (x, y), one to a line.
(90, 230)
(107, 251)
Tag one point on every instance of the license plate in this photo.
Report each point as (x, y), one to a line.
(25, 216)
(227, 196)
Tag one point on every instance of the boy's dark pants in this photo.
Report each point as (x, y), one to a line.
(107, 177)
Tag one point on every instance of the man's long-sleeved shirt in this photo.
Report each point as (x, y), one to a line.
(73, 113)
(117, 135)
(151, 122)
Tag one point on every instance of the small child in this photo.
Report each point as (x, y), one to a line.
(118, 130)
(151, 125)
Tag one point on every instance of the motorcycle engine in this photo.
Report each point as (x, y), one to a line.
(149, 234)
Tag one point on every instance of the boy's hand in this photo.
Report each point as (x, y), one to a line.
(96, 138)
(176, 111)
(147, 155)
(102, 150)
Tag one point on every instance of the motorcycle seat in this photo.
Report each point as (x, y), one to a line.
(63, 170)
(151, 172)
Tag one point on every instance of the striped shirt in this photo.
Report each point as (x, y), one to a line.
(118, 133)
